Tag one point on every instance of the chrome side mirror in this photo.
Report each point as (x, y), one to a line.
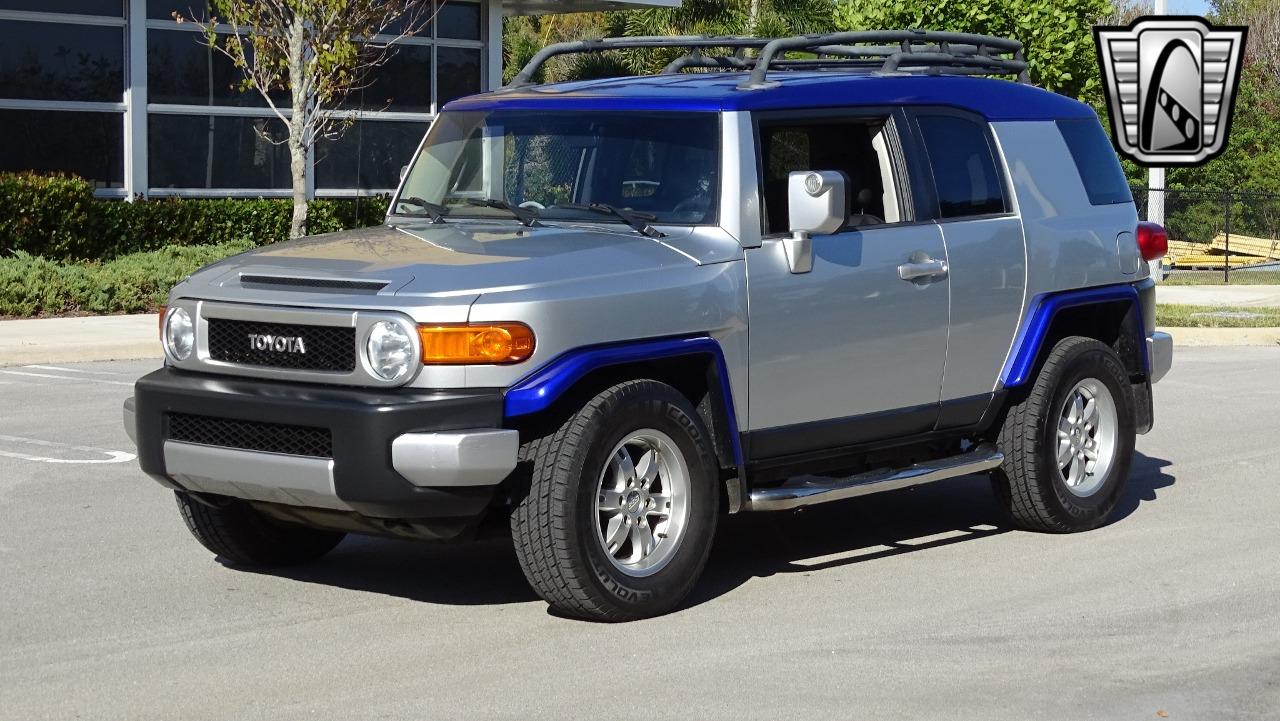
(818, 203)
(404, 170)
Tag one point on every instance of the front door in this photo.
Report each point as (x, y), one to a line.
(852, 351)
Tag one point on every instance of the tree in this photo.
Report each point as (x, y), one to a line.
(319, 51)
(525, 36)
(1056, 33)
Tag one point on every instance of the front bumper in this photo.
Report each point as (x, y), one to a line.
(404, 454)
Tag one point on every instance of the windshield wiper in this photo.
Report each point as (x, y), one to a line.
(434, 211)
(527, 216)
(639, 221)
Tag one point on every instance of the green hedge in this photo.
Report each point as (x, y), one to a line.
(134, 283)
(57, 217)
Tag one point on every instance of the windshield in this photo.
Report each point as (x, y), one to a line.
(663, 166)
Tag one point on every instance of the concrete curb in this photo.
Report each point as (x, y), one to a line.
(79, 340)
(134, 337)
(1192, 337)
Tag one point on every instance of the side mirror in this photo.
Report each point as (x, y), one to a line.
(818, 203)
(404, 170)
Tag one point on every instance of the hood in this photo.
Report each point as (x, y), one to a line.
(446, 260)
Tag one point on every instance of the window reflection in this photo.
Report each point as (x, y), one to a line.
(207, 151)
(51, 61)
(368, 156)
(48, 141)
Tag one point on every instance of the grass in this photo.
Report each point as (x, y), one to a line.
(1214, 277)
(1209, 316)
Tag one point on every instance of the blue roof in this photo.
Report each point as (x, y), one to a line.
(713, 92)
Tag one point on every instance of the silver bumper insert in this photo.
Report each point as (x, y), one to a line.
(456, 458)
(252, 475)
(131, 421)
(1160, 354)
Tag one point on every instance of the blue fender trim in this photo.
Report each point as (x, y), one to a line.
(1022, 361)
(538, 390)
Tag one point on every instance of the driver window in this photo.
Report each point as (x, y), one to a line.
(857, 148)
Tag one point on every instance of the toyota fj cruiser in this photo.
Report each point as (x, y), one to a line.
(604, 313)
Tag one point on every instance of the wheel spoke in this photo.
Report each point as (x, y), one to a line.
(641, 541)
(1077, 472)
(1077, 408)
(1091, 453)
(623, 469)
(1064, 452)
(610, 501)
(1090, 410)
(615, 533)
(647, 469)
(661, 506)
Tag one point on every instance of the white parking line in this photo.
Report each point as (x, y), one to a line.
(113, 456)
(74, 370)
(67, 378)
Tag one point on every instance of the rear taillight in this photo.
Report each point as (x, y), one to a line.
(1153, 240)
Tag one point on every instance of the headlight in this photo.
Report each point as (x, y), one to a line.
(179, 334)
(390, 350)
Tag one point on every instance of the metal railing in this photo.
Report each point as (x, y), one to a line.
(1218, 235)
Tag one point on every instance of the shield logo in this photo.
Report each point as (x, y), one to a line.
(1171, 86)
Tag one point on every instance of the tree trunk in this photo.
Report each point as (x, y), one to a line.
(754, 17)
(298, 128)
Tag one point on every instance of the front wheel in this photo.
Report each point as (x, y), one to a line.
(1069, 442)
(622, 505)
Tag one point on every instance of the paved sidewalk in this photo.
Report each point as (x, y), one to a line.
(1255, 296)
(72, 340)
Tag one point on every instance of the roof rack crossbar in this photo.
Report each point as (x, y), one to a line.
(941, 49)
(691, 42)
(889, 51)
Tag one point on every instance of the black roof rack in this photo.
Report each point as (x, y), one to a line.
(885, 51)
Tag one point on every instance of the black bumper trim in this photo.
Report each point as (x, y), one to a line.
(363, 422)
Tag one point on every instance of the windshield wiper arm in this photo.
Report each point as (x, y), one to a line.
(638, 220)
(527, 216)
(435, 211)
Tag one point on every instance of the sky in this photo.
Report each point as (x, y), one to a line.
(1188, 7)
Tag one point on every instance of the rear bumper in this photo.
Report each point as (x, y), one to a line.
(403, 454)
(1159, 354)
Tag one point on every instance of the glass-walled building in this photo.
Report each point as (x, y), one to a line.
(123, 94)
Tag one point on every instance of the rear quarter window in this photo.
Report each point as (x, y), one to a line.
(964, 169)
(1096, 162)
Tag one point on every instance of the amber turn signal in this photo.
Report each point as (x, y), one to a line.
(491, 343)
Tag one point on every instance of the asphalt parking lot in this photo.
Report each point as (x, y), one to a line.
(912, 605)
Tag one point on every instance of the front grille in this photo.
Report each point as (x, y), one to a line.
(251, 435)
(326, 348)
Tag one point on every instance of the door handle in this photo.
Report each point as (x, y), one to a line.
(922, 266)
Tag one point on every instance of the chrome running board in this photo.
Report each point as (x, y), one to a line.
(822, 490)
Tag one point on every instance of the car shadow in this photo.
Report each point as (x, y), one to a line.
(873, 528)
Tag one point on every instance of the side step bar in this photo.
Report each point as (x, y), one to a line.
(814, 491)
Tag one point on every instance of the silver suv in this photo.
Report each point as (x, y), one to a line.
(605, 313)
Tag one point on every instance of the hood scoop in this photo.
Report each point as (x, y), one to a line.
(336, 285)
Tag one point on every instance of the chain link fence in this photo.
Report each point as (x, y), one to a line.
(1218, 236)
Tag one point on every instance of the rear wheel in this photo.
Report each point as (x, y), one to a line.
(622, 505)
(241, 535)
(1069, 443)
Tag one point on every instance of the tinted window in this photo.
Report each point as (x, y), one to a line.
(52, 61)
(402, 84)
(964, 171)
(368, 156)
(44, 141)
(1096, 162)
(459, 73)
(114, 8)
(178, 71)
(202, 151)
(164, 9)
(458, 21)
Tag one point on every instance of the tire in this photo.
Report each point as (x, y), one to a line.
(559, 528)
(1038, 493)
(245, 537)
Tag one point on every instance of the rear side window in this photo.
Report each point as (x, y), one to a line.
(964, 170)
(1096, 162)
